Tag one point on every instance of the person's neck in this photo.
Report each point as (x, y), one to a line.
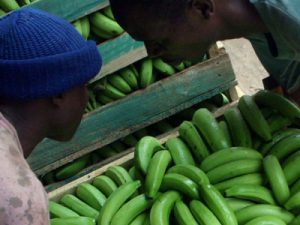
(240, 19)
(29, 127)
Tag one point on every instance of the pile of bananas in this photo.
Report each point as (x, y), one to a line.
(11, 5)
(127, 80)
(161, 127)
(202, 176)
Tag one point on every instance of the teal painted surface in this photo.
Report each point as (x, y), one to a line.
(138, 110)
(70, 9)
(118, 47)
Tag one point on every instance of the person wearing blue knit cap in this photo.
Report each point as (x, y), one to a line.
(45, 65)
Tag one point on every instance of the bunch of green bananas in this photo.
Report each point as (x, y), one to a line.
(232, 184)
(8, 5)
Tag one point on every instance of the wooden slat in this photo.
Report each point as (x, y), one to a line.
(57, 191)
(70, 9)
(119, 53)
(138, 110)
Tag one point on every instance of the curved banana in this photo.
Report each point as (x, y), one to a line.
(163, 67)
(108, 12)
(293, 202)
(270, 220)
(190, 171)
(292, 170)
(180, 183)
(118, 82)
(278, 122)
(116, 200)
(190, 135)
(106, 185)
(225, 128)
(218, 205)
(144, 151)
(234, 169)
(73, 221)
(237, 204)
(180, 67)
(118, 174)
(146, 73)
(112, 92)
(210, 129)
(251, 192)
(161, 209)
(254, 117)
(183, 214)
(228, 155)
(60, 211)
(295, 187)
(276, 179)
(140, 219)
(85, 27)
(157, 168)
(9, 5)
(202, 214)
(129, 76)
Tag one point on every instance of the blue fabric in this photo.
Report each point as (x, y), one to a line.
(42, 55)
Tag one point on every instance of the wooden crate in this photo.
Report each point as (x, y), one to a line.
(122, 160)
(138, 110)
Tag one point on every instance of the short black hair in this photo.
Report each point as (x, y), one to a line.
(162, 9)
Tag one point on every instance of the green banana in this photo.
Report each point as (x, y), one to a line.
(59, 211)
(276, 179)
(140, 219)
(146, 73)
(254, 117)
(163, 67)
(128, 75)
(106, 152)
(161, 209)
(108, 12)
(190, 135)
(180, 67)
(106, 185)
(295, 221)
(278, 122)
(118, 82)
(48, 178)
(180, 183)
(234, 169)
(253, 178)
(144, 150)
(23, 2)
(91, 195)
(183, 214)
(225, 128)
(85, 27)
(77, 26)
(113, 92)
(278, 102)
(116, 200)
(290, 158)
(134, 70)
(228, 155)
(202, 214)
(210, 129)
(73, 221)
(293, 202)
(187, 63)
(286, 147)
(118, 174)
(72, 168)
(179, 151)
(131, 210)
(104, 23)
(292, 170)
(278, 136)
(2, 13)
(79, 206)
(132, 173)
(255, 193)
(267, 112)
(237, 204)
(9, 5)
(295, 187)
(191, 172)
(130, 140)
(156, 171)
(103, 99)
(239, 130)
(270, 220)
(101, 33)
(251, 212)
(217, 204)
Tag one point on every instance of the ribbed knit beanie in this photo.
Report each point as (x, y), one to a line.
(42, 55)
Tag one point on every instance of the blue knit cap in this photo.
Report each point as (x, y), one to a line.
(42, 55)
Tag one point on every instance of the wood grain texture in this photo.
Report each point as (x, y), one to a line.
(136, 111)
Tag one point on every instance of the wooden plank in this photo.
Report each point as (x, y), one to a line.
(126, 159)
(119, 53)
(138, 110)
(70, 9)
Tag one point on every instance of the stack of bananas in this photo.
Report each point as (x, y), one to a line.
(202, 176)
(127, 80)
(113, 149)
(11, 5)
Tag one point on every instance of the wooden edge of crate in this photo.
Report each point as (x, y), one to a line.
(61, 154)
(123, 160)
